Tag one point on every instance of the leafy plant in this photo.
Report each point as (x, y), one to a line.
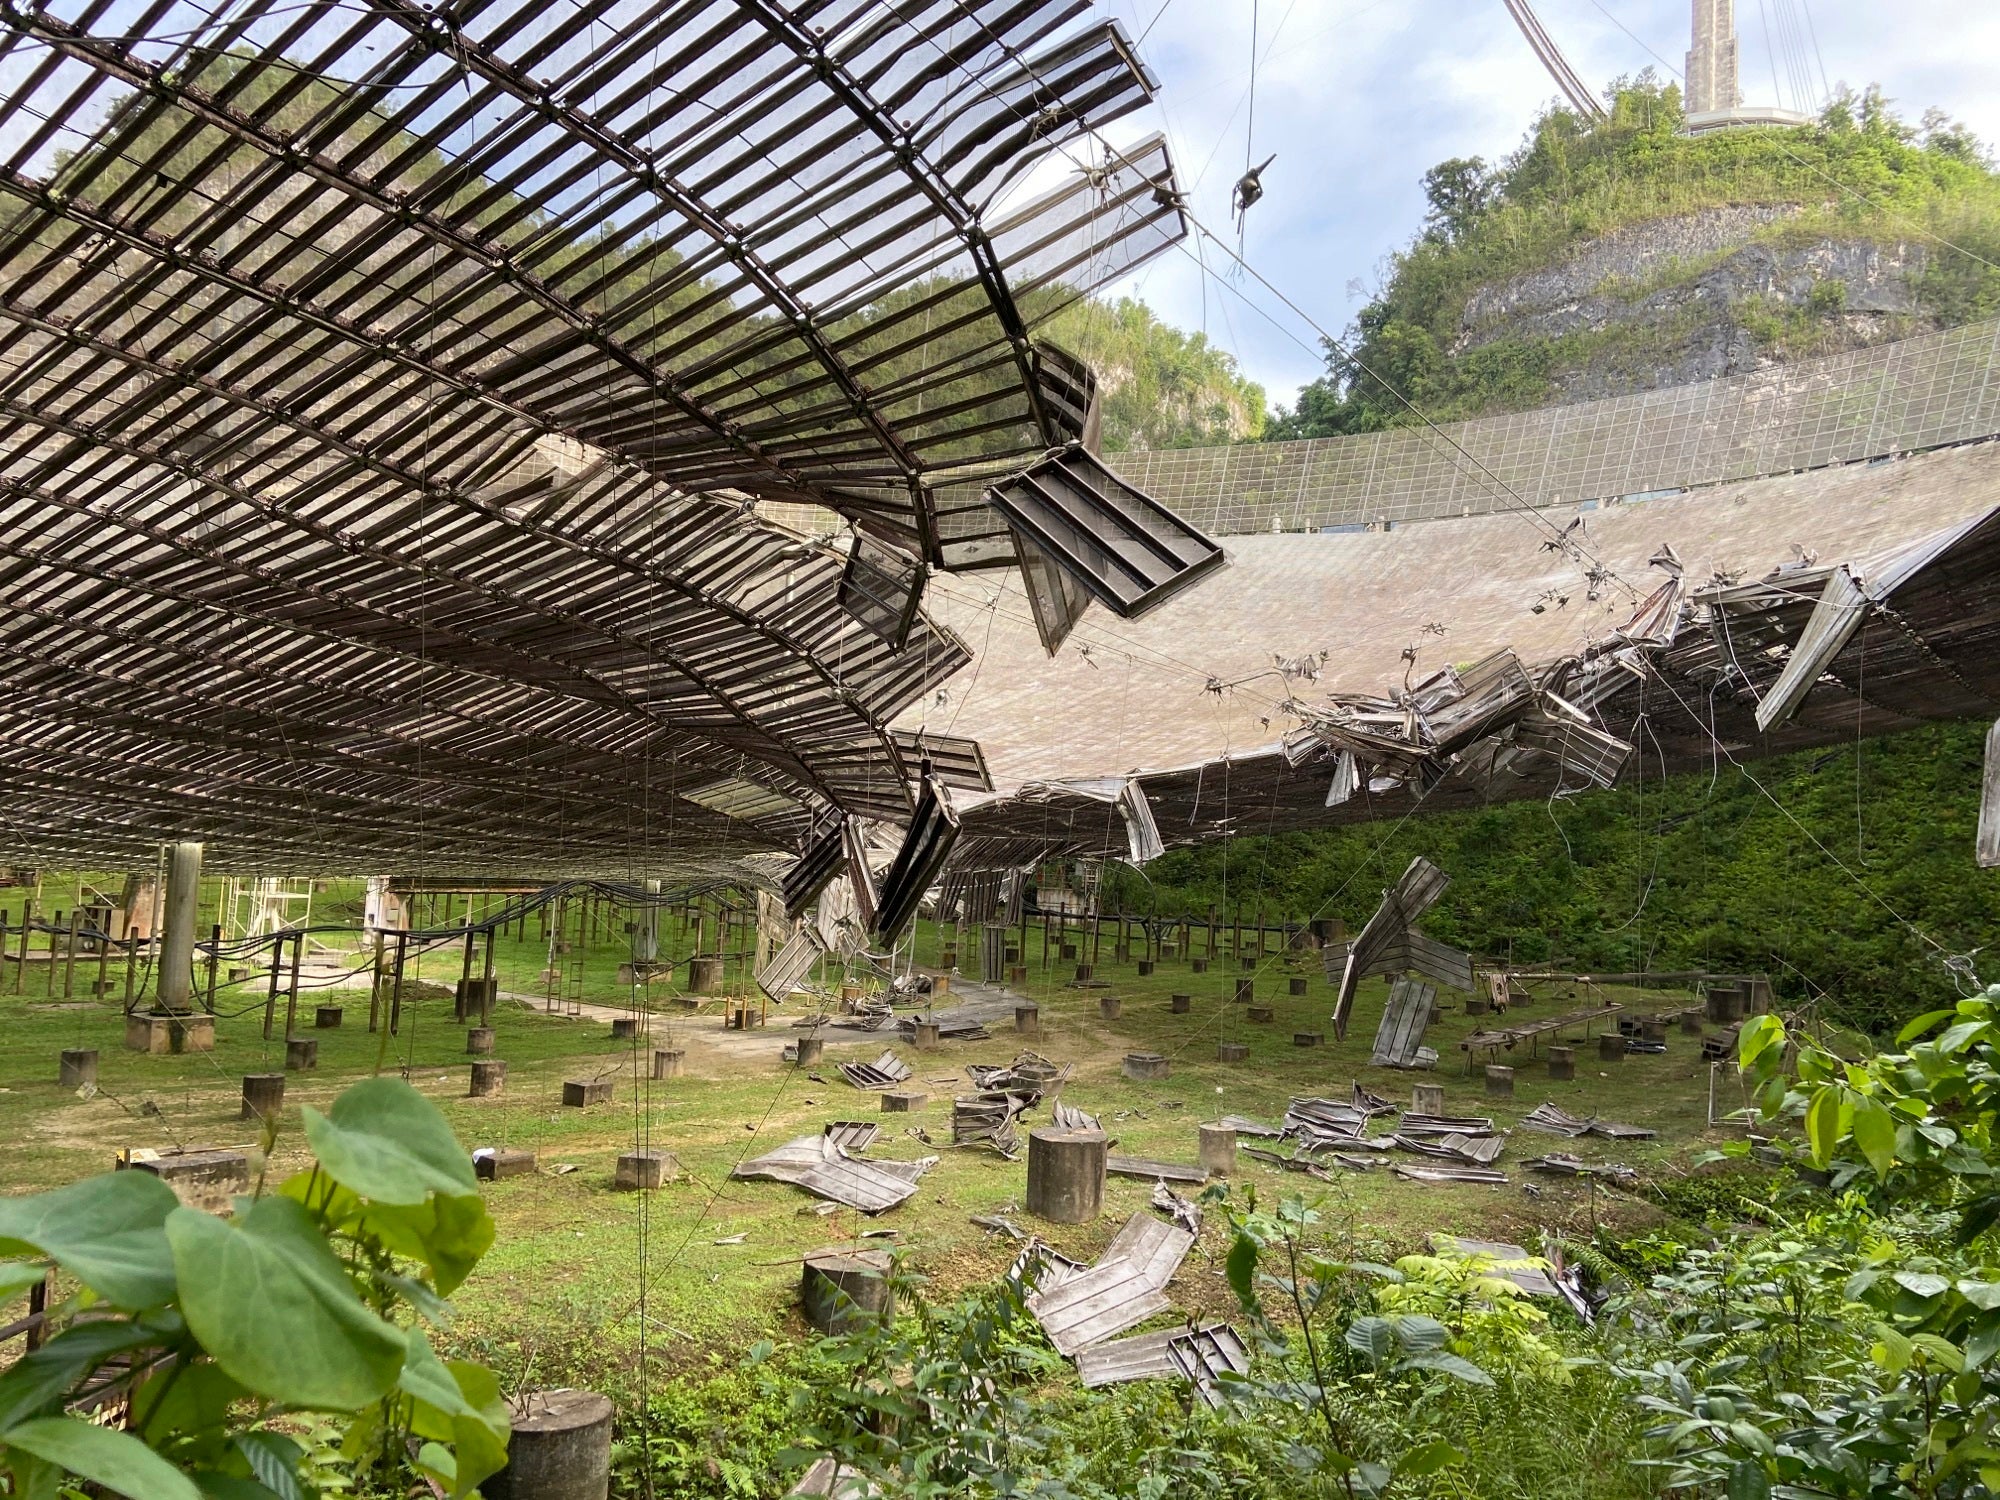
(222, 1333)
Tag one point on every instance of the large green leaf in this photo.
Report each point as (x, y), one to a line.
(116, 1460)
(105, 1231)
(1823, 1125)
(269, 1301)
(19, 1277)
(388, 1143)
(447, 1234)
(1875, 1134)
(460, 1404)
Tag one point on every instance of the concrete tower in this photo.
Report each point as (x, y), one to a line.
(1711, 61)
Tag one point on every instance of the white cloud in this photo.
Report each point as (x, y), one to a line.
(1359, 97)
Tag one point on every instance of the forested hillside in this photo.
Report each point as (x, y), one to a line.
(1607, 257)
(1699, 871)
(1162, 388)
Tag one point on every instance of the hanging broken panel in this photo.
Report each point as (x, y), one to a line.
(881, 588)
(1055, 597)
(780, 978)
(1121, 545)
(933, 830)
(818, 863)
(954, 760)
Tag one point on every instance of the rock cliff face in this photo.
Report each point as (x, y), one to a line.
(1699, 296)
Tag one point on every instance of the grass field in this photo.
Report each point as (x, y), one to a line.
(558, 1297)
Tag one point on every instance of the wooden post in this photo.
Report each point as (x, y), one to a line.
(489, 986)
(103, 951)
(271, 994)
(396, 984)
(375, 985)
(55, 929)
(69, 955)
(292, 994)
(131, 972)
(214, 965)
(27, 922)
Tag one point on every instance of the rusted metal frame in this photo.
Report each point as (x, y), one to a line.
(960, 215)
(784, 759)
(636, 162)
(112, 61)
(791, 644)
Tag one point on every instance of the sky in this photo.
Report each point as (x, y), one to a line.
(1359, 97)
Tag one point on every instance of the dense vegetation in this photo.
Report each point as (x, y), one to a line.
(1162, 388)
(1859, 173)
(1697, 871)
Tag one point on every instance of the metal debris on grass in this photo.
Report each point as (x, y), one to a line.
(1126, 1286)
(1153, 1171)
(886, 1071)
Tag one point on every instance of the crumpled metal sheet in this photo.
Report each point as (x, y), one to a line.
(885, 1072)
(1126, 1286)
(817, 1164)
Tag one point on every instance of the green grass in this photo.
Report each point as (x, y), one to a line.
(557, 1298)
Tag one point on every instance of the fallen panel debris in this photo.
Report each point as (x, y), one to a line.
(1562, 1164)
(1447, 1174)
(1181, 1211)
(1152, 1171)
(1029, 1076)
(817, 1164)
(1206, 1355)
(1477, 1150)
(1509, 1261)
(1122, 1289)
(781, 977)
(885, 1072)
(1069, 1117)
(1243, 1125)
(987, 1120)
(852, 1136)
(1551, 1120)
(1390, 943)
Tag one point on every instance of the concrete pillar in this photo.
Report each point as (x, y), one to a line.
(1611, 1047)
(489, 1078)
(263, 1095)
(1246, 990)
(175, 983)
(1180, 1005)
(639, 1171)
(704, 975)
(667, 1062)
(810, 1049)
(840, 1288)
(1028, 1020)
(903, 1101)
(1218, 1150)
(560, 1449)
(301, 1054)
(1066, 1174)
(1427, 1099)
(326, 1017)
(1562, 1063)
(1232, 1052)
(1108, 1006)
(926, 1038)
(479, 1041)
(1296, 985)
(1499, 1081)
(1145, 1067)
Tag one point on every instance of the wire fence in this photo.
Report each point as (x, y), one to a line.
(1924, 392)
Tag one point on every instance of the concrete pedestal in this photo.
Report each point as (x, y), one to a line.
(1477, 1005)
(1028, 1020)
(640, 1170)
(1232, 1052)
(1308, 1038)
(1263, 1015)
(77, 1066)
(1691, 1023)
(1611, 1047)
(1218, 1150)
(1084, 972)
(667, 1062)
(326, 1018)
(301, 1054)
(1197, 966)
(263, 1095)
(1068, 952)
(1145, 1067)
(1296, 985)
(560, 1449)
(839, 1289)
(478, 1041)
(1427, 1099)
(205, 1180)
(926, 1038)
(505, 1162)
(1145, 967)
(1499, 1081)
(624, 1028)
(580, 1093)
(1653, 1029)
(1725, 1004)
(489, 1079)
(1180, 1005)
(1066, 1174)
(903, 1101)
(1108, 1006)
(1017, 973)
(811, 1049)
(704, 976)
(1562, 1064)
(1246, 991)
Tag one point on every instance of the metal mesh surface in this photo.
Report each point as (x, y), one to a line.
(1896, 398)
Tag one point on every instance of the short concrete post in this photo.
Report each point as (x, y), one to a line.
(1083, 973)
(1611, 1047)
(1145, 967)
(1477, 1005)
(1180, 1005)
(175, 983)
(903, 1101)
(326, 1018)
(301, 1054)
(1725, 1004)
(1691, 1022)
(1028, 1020)
(1108, 1006)
(1145, 1067)
(1296, 985)
(478, 1041)
(624, 1028)
(667, 1062)
(581, 1093)
(704, 976)
(1499, 1081)
(489, 1078)
(1066, 1174)
(560, 1449)
(1246, 990)
(810, 1049)
(927, 1036)
(1232, 1052)
(839, 1289)
(1068, 952)
(1562, 1064)
(1218, 1150)
(638, 1171)
(1427, 1099)
(77, 1067)
(1653, 1028)
(496, 1164)
(1017, 973)
(1197, 966)
(1308, 1038)
(263, 1095)
(1263, 1015)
